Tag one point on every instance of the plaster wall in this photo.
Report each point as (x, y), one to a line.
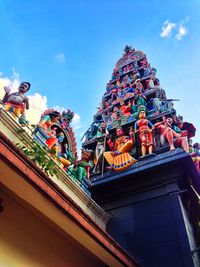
(27, 240)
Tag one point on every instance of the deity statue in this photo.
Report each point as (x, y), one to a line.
(54, 131)
(196, 147)
(60, 150)
(49, 118)
(100, 147)
(194, 155)
(116, 113)
(128, 49)
(125, 109)
(16, 103)
(173, 138)
(81, 168)
(66, 118)
(138, 85)
(144, 127)
(119, 157)
(140, 98)
(143, 62)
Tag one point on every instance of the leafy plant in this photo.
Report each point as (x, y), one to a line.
(39, 155)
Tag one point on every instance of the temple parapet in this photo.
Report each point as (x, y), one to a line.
(13, 131)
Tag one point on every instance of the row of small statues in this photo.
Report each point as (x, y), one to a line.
(143, 72)
(134, 96)
(119, 158)
(126, 111)
(129, 82)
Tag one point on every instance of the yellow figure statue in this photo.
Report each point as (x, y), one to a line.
(119, 158)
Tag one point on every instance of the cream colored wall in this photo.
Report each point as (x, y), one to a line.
(27, 241)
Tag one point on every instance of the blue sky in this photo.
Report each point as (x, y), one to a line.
(68, 49)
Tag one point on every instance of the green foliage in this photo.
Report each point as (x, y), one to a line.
(21, 130)
(39, 155)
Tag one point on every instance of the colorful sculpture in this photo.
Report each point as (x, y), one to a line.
(100, 147)
(144, 127)
(60, 150)
(55, 132)
(125, 109)
(81, 168)
(119, 157)
(65, 118)
(196, 147)
(140, 98)
(49, 118)
(138, 85)
(194, 155)
(173, 138)
(16, 103)
(134, 84)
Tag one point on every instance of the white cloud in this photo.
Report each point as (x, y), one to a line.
(15, 75)
(182, 30)
(76, 122)
(60, 58)
(59, 108)
(167, 29)
(38, 104)
(174, 30)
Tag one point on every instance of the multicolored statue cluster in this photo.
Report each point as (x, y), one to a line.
(133, 120)
(55, 132)
(136, 117)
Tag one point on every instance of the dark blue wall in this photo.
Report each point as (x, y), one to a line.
(149, 213)
(152, 228)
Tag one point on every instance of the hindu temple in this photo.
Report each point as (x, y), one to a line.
(131, 198)
(145, 169)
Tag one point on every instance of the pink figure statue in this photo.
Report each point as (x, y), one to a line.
(165, 128)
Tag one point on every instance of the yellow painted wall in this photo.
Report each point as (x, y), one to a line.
(28, 241)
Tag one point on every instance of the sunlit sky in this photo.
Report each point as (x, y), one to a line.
(67, 50)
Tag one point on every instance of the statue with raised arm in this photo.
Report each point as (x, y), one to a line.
(16, 103)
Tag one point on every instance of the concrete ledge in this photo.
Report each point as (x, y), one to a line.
(16, 134)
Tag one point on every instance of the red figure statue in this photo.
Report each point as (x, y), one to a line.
(144, 127)
(165, 128)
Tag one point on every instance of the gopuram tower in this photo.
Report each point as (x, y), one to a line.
(146, 171)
